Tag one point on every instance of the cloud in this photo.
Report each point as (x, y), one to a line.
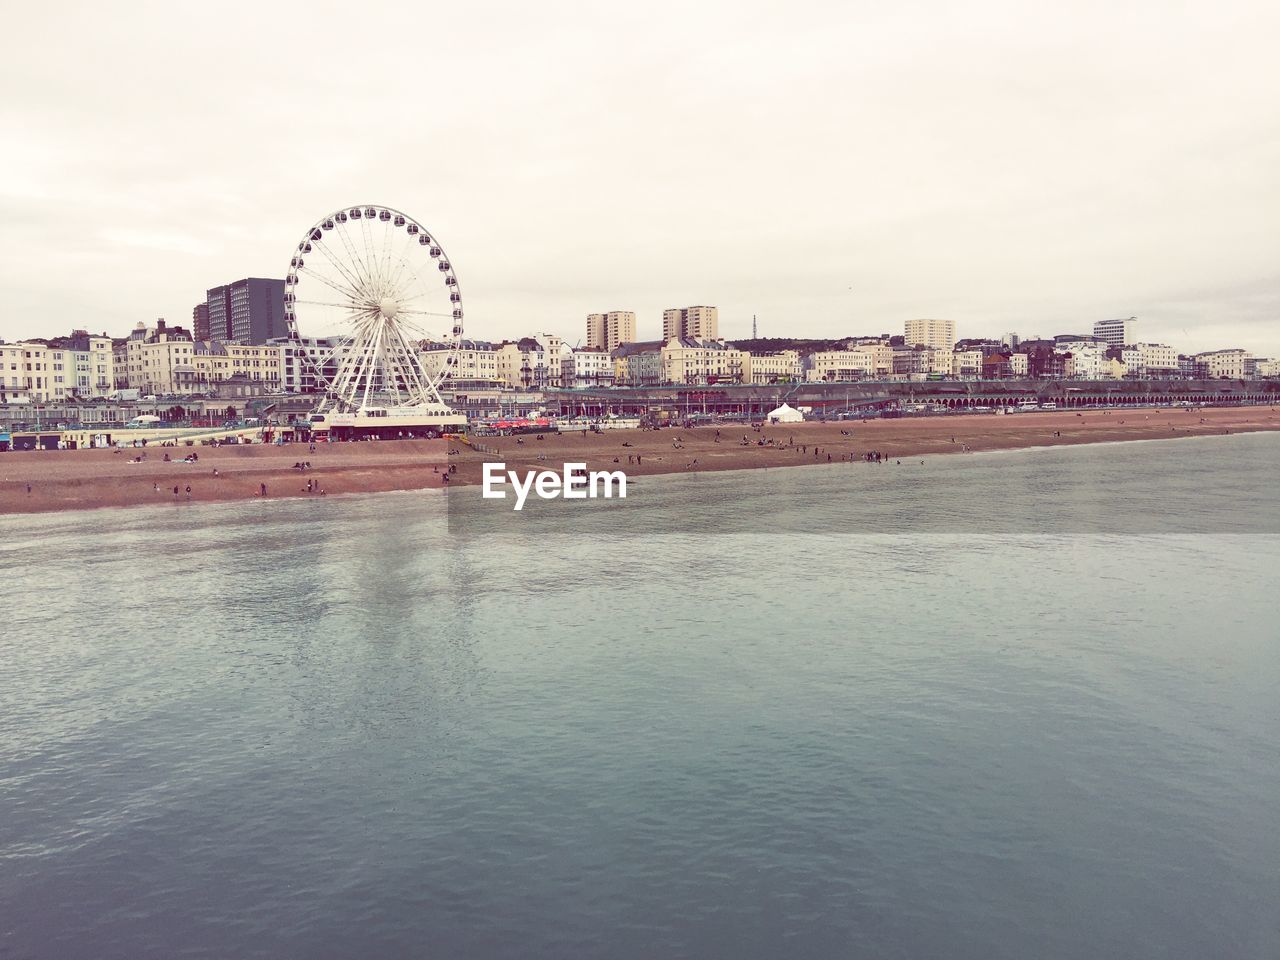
(833, 168)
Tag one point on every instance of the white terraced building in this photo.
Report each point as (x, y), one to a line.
(477, 360)
(81, 365)
(1156, 359)
(1225, 364)
(779, 367)
(586, 367)
(1088, 361)
(867, 362)
(689, 360)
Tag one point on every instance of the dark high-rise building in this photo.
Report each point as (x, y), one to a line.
(200, 320)
(249, 311)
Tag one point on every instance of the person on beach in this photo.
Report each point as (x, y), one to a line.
(262, 489)
(188, 491)
(28, 489)
(175, 493)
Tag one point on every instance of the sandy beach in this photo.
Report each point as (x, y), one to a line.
(82, 479)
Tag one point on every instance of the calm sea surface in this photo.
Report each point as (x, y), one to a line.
(1011, 706)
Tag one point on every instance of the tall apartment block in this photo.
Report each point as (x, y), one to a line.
(1115, 333)
(939, 334)
(607, 331)
(200, 320)
(700, 323)
(248, 311)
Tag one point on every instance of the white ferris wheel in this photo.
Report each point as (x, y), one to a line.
(378, 286)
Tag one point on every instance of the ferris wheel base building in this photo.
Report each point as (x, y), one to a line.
(387, 423)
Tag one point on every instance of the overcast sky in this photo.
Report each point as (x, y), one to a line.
(834, 168)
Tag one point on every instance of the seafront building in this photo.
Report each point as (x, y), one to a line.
(967, 364)
(608, 331)
(303, 359)
(1156, 360)
(783, 366)
(476, 360)
(1225, 364)
(1088, 360)
(694, 361)
(691, 323)
(586, 367)
(638, 364)
(81, 365)
(535, 362)
(872, 361)
(170, 362)
(1115, 333)
(164, 360)
(938, 334)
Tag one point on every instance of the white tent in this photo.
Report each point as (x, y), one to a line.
(785, 414)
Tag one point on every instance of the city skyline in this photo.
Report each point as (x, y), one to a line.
(1004, 170)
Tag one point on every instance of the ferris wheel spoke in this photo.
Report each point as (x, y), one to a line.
(414, 279)
(425, 313)
(402, 259)
(375, 274)
(412, 367)
(345, 270)
(386, 252)
(326, 281)
(349, 305)
(417, 330)
(357, 263)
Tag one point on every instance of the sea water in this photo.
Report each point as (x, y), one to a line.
(1018, 705)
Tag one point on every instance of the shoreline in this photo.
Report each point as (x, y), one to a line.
(73, 480)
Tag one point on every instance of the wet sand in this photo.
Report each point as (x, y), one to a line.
(80, 479)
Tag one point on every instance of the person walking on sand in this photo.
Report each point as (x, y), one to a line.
(188, 491)
(262, 489)
(175, 493)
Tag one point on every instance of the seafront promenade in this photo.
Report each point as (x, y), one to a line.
(82, 479)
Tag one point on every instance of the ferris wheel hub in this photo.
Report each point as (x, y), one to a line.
(389, 307)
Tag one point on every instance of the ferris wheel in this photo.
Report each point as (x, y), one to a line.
(375, 287)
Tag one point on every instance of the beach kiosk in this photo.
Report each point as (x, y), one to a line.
(785, 414)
